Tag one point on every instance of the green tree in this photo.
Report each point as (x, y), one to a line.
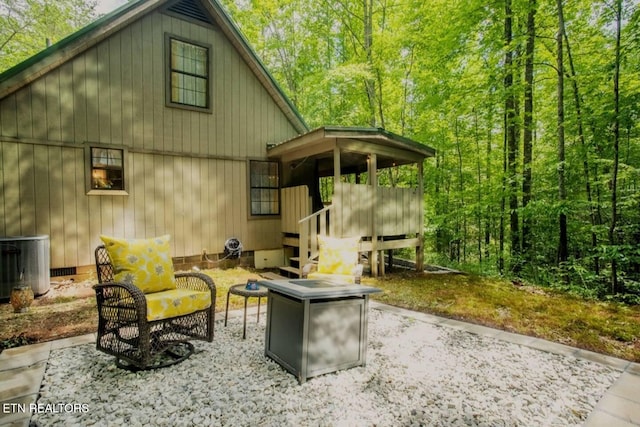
(450, 74)
(29, 26)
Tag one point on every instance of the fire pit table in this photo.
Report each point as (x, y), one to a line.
(316, 326)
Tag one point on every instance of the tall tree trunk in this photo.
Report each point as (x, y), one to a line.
(511, 132)
(441, 234)
(563, 246)
(479, 185)
(503, 201)
(616, 147)
(405, 92)
(585, 154)
(528, 127)
(462, 204)
(370, 85)
(489, 223)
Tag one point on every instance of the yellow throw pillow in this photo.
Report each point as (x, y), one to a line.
(337, 256)
(144, 263)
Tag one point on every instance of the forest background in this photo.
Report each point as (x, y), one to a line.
(532, 105)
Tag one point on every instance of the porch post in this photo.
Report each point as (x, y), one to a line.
(420, 248)
(334, 226)
(373, 180)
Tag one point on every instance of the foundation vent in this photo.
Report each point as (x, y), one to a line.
(64, 271)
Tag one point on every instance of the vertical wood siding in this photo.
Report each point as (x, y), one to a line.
(186, 171)
(295, 205)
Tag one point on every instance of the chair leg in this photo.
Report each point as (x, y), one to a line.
(226, 311)
(258, 321)
(244, 323)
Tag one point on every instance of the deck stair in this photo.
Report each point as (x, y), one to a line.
(293, 269)
(272, 276)
(289, 271)
(304, 235)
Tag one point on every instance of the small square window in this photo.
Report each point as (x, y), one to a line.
(107, 169)
(265, 188)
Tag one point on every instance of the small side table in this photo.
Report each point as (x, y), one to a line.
(241, 290)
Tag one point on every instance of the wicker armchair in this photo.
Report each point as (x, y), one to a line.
(125, 331)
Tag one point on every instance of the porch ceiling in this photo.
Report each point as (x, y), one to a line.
(355, 144)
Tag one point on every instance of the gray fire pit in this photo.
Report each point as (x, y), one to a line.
(315, 326)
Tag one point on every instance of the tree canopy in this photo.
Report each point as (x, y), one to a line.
(29, 26)
(532, 106)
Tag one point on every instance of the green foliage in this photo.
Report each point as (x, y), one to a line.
(438, 69)
(27, 26)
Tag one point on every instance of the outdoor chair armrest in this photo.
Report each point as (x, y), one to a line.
(195, 281)
(121, 298)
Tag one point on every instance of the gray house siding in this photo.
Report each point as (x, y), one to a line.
(186, 171)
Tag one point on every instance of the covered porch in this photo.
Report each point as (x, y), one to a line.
(348, 162)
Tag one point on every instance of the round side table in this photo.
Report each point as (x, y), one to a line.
(241, 290)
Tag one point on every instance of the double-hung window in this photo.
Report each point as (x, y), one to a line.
(188, 82)
(265, 187)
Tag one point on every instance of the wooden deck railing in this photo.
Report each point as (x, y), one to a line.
(310, 227)
(373, 213)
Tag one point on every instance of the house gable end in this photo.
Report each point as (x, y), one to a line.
(208, 13)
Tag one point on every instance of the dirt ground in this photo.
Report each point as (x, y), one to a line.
(67, 288)
(67, 309)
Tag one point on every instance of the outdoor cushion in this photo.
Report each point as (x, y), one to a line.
(337, 255)
(175, 303)
(144, 263)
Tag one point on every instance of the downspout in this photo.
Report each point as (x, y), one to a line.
(336, 229)
(420, 249)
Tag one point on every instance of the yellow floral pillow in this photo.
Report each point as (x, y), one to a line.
(145, 263)
(337, 256)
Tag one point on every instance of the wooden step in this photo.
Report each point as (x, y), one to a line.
(294, 262)
(289, 271)
(291, 241)
(272, 276)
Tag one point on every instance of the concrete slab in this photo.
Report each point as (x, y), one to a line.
(613, 362)
(623, 409)
(627, 387)
(16, 411)
(516, 338)
(73, 341)
(600, 418)
(21, 381)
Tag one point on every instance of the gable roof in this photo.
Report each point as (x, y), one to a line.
(52, 57)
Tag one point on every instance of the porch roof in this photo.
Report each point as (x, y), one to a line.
(355, 144)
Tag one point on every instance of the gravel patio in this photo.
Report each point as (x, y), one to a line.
(421, 370)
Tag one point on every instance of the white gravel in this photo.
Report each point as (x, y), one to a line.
(417, 374)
